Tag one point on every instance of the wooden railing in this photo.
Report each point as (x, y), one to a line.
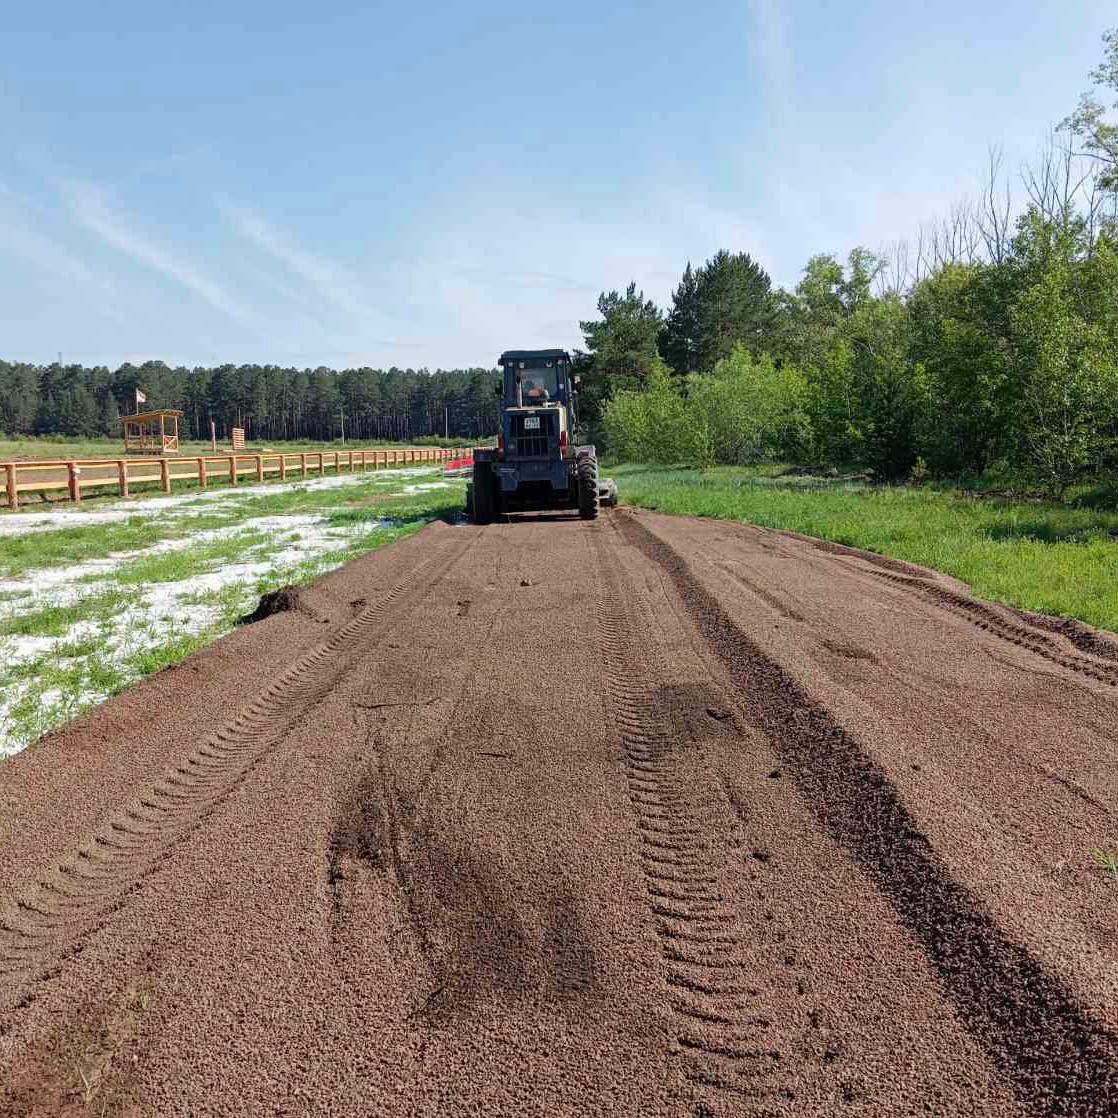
(78, 475)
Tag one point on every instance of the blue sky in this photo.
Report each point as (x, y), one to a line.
(430, 183)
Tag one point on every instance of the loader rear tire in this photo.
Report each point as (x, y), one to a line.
(589, 504)
(481, 494)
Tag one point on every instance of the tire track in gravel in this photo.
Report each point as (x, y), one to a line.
(1059, 1061)
(989, 619)
(718, 1010)
(367, 828)
(52, 919)
(1087, 639)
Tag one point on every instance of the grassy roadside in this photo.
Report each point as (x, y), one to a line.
(86, 611)
(108, 526)
(57, 448)
(1046, 557)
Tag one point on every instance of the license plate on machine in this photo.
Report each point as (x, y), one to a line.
(531, 423)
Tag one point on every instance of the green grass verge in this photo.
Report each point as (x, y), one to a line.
(1051, 558)
(67, 448)
(98, 659)
(60, 546)
(54, 621)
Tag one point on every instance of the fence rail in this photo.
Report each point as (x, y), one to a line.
(80, 474)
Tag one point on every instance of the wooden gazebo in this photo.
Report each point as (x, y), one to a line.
(151, 432)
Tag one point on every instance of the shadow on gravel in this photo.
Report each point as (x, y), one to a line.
(1059, 1060)
(86, 1064)
(485, 943)
(482, 941)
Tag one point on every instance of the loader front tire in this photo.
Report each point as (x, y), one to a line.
(481, 494)
(589, 504)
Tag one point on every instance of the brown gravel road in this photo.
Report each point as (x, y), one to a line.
(642, 817)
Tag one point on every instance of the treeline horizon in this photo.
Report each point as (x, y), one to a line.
(986, 344)
(270, 402)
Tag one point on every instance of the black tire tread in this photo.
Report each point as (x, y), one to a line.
(589, 503)
(481, 490)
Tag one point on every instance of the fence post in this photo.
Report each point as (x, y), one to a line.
(321, 464)
(260, 467)
(303, 464)
(122, 476)
(232, 469)
(13, 491)
(283, 467)
(165, 475)
(75, 481)
(203, 479)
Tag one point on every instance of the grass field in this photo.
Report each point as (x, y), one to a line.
(14, 449)
(96, 597)
(1051, 558)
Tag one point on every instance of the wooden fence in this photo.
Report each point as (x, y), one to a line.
(78, 475)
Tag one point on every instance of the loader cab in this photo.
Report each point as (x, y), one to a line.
(537, 464)
(536, 378)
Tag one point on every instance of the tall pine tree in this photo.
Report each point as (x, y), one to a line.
(727, 302)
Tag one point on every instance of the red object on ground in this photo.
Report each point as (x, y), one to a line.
(459, 467)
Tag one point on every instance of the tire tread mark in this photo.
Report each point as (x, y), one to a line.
(102, 872)
(682, 879)
(1060, 1061)
(989, 620)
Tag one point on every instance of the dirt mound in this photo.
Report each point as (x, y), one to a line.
(275, 601)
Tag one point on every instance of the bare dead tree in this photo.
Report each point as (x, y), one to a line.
(954, 239)
(1099, 205)
(967, 231)
(1058, 180)
(895, 275)
(994, 213)
(922, 266)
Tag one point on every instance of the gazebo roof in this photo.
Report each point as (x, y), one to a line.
(140, 417)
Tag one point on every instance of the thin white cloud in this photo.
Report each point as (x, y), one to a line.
(90, 207)
(325, 279)
(477, 300)
(45, 254)
(770, 50)
(58, 263)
